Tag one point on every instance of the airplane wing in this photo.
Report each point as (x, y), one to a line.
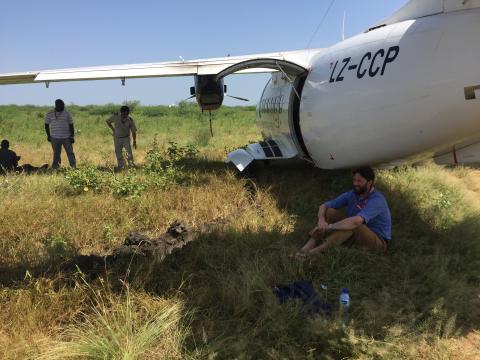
(289, 62)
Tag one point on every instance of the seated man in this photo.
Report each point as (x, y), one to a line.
(9, 161)
(8, 158)
(367, 224)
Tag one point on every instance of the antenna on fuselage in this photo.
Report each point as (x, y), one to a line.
(319, 26)
(343, 25)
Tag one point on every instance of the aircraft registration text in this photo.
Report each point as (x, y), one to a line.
(371, 64)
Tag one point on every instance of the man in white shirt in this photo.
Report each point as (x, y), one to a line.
(122, 126)
(60, 132)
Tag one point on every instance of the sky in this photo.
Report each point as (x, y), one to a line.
(54, 34)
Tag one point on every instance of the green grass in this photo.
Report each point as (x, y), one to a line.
(213, 299)
(184, 124)
(124, 327)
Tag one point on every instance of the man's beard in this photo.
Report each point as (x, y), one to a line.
(360, 190)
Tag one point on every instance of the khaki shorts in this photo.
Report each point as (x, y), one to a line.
(362, 236)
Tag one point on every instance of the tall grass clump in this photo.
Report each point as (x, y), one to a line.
(128, 326)
(202, 136)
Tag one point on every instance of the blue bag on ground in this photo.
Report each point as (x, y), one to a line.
(313, 304)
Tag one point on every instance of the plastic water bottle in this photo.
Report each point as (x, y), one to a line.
(344, 302)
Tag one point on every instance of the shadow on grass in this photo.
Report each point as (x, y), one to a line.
(427, 285)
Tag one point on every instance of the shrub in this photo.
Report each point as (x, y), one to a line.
(185, 108)
(154, 111)
(58, 249)
(157, 161)
(102, 110)
(128, 184)
(132, 104)
(164, 167)
(154, 160)
(85, 179)
(170, 174)
(177, 153)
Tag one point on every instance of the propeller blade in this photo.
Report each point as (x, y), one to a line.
(238, 98)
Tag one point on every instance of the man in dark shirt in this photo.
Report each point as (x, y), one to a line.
(367, 223)
(9, 161)
(8, 158)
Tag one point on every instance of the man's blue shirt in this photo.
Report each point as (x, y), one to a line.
(373, 209)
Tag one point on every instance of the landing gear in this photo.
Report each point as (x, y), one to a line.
(210, 121)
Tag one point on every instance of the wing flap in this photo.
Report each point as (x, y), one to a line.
(117, 72)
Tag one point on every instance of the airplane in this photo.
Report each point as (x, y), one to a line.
(405, 90)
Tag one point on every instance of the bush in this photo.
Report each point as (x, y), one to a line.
(164, 167)
(185, 108)
(154, 160)
(157, 160)
(177, 153)
(85, 179)
(169, 175)
(127, 185)
(102, 110)
(154, 111)
(132, 104)
(58, 249)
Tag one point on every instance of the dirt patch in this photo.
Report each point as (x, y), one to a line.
(138, 246)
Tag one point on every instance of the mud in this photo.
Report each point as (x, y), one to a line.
(138, 247)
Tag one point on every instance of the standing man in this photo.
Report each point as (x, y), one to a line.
(367, 223)
(122, 126)
(60, 132)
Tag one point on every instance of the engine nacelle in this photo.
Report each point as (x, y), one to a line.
(208, 91)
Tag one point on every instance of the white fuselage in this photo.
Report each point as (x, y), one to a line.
(392, 94)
